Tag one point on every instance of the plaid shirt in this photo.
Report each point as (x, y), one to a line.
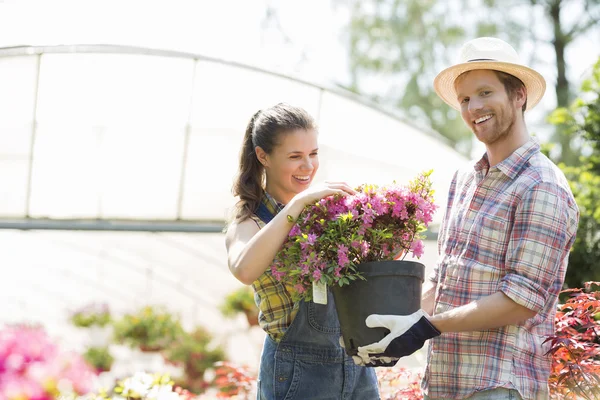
(277, 310)
(507, 228)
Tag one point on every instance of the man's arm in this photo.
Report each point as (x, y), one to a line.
(486, 313)
(428, 296)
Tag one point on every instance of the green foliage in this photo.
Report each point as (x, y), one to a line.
(150, 329)
(406, 43)
(99, 358)
(582, 120)
(197, 354)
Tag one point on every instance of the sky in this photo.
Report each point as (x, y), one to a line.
(306, 40)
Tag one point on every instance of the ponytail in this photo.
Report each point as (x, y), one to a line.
(249, 181)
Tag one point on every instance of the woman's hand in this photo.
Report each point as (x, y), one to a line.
(317, 192)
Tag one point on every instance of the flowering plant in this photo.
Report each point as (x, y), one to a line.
(91, 314)
(99, 358)
(150, 329)
(196, 352)
(234, 381)
(333, 236)
(33, 367)
(399, 383)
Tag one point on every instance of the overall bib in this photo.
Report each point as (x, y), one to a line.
(309, 363)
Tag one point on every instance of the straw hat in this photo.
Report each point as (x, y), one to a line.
(489, 53)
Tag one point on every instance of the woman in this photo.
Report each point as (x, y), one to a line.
(301, 358)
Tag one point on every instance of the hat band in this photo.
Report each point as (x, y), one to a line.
(482, 59)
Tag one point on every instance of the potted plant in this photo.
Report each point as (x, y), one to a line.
(95, 318)
(151, 329)
(356, 245)
(93, 314)
(241, 301)
(99, 358)
(195, 351)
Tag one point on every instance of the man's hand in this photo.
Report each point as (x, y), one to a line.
(408, 334)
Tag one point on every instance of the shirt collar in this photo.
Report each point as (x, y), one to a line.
(272, 205)
(512, 164)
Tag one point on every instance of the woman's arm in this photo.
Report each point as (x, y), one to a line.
(250, 250)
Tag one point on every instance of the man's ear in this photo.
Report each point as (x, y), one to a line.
(262, 156)
(520, 96)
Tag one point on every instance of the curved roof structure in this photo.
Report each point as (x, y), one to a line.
(114, 133)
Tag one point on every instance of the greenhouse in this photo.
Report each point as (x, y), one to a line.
(116, 166)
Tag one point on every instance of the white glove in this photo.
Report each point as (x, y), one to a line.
(398, 343)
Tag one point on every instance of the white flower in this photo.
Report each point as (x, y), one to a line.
(164, 392)
(140, 383)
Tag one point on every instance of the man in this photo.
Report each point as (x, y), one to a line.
(504, 243)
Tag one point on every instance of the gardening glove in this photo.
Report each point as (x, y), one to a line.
(408, 334)
(374, 361)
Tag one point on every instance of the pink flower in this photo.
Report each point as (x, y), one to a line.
(299, 288)
(342, 254)
(30, 363)
(316, 275)
(364, 247)
(417, 248)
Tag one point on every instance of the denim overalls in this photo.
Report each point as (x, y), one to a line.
(309, 363)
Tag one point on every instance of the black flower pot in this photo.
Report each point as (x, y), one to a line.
(391, 287)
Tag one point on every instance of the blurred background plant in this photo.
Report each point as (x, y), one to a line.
(581, 121)
(241, 301)
(152, 328)
(233, 380)
(93, 314)
(99, 358)
(197, 353)
(32, 366)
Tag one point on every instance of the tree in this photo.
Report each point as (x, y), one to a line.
(404, 44)
(582, 120)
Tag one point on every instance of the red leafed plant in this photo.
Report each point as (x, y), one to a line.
(234, 380)
(399, 383)
(576, 346)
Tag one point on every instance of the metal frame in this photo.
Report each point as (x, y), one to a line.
(177, 225)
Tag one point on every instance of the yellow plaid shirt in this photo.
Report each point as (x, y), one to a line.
(277, 310)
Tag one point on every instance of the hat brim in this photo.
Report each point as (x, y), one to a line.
(533, 80)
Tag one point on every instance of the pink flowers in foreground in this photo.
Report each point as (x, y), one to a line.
(333, 236)
(32, 367)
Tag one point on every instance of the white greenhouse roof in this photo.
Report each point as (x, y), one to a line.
(122, 133)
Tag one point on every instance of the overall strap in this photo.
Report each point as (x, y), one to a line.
(264, 213)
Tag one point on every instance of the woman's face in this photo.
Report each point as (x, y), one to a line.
(292, 164)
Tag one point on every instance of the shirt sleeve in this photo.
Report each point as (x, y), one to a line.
(540, 240)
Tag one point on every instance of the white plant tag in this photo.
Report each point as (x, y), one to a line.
(319, 293)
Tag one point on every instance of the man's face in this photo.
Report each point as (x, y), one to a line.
(485, 106)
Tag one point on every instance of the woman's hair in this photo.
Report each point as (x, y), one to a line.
(263, 130)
